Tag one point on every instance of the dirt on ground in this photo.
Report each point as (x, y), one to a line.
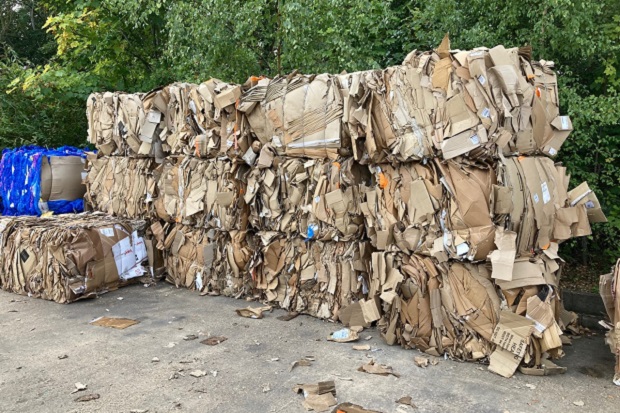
(48, 351)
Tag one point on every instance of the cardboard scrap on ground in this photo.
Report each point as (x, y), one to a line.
(406, 400)
(214, 340)
(352, 408)
(318, 397)
(381, 369)
(112, 322)
(253, 312)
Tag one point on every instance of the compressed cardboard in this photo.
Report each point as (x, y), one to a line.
(610, 293)
(316, 199)
(121, 186)
(178, 119)
(69, 257)
(206, 193)
(299, 115)
(206, 260)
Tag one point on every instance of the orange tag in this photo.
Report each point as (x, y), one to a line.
(538, 93)
(383, 181)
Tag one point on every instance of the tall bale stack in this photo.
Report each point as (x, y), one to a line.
(422, 197)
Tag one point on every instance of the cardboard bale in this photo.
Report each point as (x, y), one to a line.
(121, 186)
(532, 200)
(36, 180)
(299, 115)
(69, 257)
(207, 260)
(310, 277)
(400, 208)
(178, 119)
(115, 121)
(450, 308)
(451, 103)
(206, 193)
(316, 199)
(610, 293)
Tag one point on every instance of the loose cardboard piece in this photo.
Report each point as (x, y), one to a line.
(112, 322)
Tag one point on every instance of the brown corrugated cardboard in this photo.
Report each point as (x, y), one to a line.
(209, 261)
(206, 193)
(610, 292)
(121, 186)
(316, 199)
(69, 257)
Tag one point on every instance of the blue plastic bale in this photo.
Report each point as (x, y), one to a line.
(20, 181)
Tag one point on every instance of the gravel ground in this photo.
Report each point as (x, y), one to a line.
(250, 372)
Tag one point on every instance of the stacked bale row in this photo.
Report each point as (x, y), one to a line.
(422, 197)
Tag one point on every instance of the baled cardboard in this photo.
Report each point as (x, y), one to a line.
(69, 257)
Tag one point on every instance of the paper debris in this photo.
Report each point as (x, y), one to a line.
(266, 388)
(420, 361)
(214, 340)
(579, 403)
(118, 323)
(301, 363)
(138, 411)
(373, 368)
(62, 357)
(197, 373)
(352, 408)
(79, 387)
(288, 317)
(318, 397)
(253, 312)
(155, 360)
(87, 397)
(344, 335)
(190, 337)
(530, 386)
(362, 347)
(406, 400)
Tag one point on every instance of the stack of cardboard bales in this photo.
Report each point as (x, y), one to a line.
(167, 156)
(422, 197)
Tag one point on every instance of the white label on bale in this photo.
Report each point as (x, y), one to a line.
(276, 141)
(564, 121)
(139, 247)
(482, 79)
(545, 193)
(475, 139)
(154, 116)
(107, 232)
(317, 199)
(199, 281)
(486, 113)
(536, 198)
(552, 151)
(589, 205)
(136, 271)
(124, 256)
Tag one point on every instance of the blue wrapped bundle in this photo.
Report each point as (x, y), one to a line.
(34, 180)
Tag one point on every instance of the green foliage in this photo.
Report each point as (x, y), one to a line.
(53, 53)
